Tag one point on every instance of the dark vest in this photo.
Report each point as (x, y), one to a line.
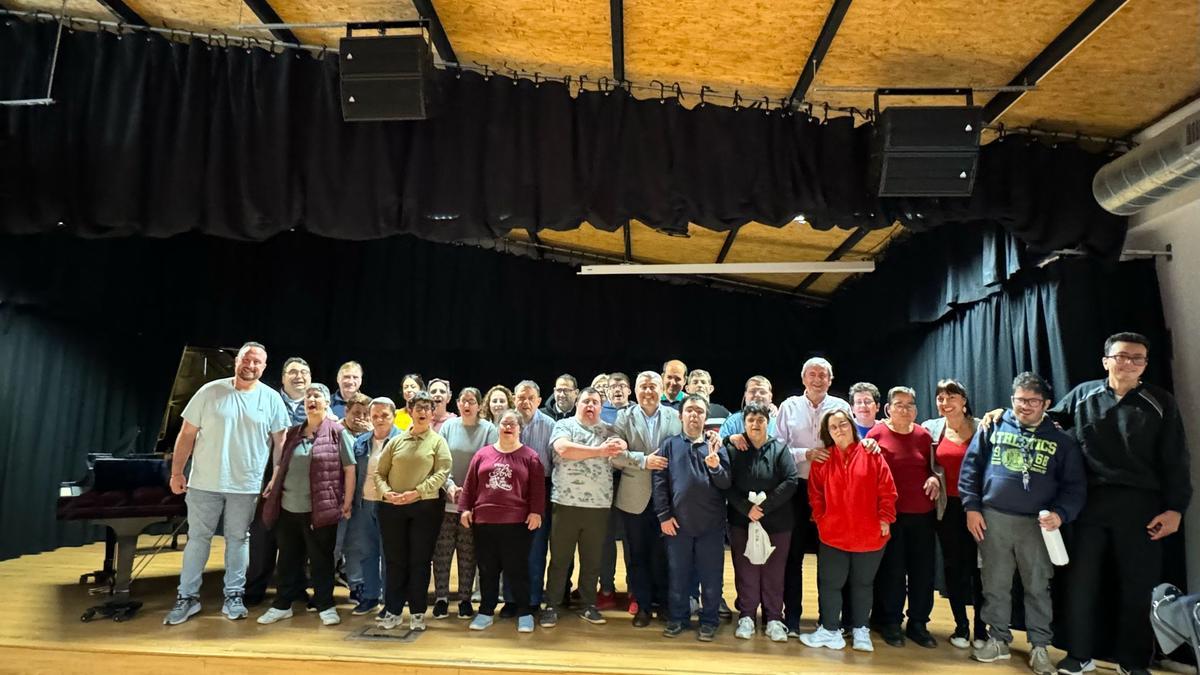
(324, 475)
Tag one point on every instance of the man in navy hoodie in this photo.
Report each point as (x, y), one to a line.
(689, 499)
(1019, 467)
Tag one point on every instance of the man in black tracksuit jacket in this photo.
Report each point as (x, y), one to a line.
(1139, 484)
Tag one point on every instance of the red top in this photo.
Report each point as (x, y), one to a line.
(907, 456)
(851, 494)
(950, 457)
(503, 487)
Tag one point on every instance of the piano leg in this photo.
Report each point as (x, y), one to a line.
(125, 531)
(104, 575)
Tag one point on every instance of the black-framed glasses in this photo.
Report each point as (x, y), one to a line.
(1017, 400)
(1137, 360)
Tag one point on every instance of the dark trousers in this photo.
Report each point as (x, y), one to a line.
(1113, 523)
(906, 571)
(298, 543)
(503, 548)
(647, 563)
(582, 527)
(839, 572)
(793, 581)
(960, 560)
(701, 554)
(261, 568)
(759, 585)
(409, 534)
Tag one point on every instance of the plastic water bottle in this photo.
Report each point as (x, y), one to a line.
(1054, 543)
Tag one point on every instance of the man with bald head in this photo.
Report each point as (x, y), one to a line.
(229, 428)
(674, 378)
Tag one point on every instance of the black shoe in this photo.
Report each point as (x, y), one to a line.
(509, 610)
(641, 619)
(549, 618)
(310, 606)
(724, 612)
(892, 635)
(673, 629)
(441, 608)
(252, 600)
(920, 635)
(466, 610)
(706, 633)
(356, 593)
(365, 606)
(592, 615)
(1073, 666)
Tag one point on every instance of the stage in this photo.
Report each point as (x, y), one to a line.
(41, 632)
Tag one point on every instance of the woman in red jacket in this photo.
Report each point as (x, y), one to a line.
(853, 504)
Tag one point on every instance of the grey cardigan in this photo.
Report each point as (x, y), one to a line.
(937, 428)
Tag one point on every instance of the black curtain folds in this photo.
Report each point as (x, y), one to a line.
(158, 138)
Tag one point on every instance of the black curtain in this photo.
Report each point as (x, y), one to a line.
(91, 332)
(158, 138)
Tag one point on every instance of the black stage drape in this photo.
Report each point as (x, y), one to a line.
(91, 332)
(158, 138)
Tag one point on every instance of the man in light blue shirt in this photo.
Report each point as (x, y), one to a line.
(229, 428)
(535, 432)
(758, 390)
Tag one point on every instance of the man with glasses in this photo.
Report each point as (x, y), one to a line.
(1021, 476)
(1138, 475)
(296, 378)
(619, 389)
(758, 390)
(562, 404)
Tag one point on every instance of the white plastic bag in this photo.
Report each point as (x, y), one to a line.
(758, 543)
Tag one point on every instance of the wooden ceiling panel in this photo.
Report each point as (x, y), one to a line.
(551, 37)
(755, 46)
(1136, 68)
(651, 246)
(81, 8)
(306, 11)
(198, 14)
(586, 238)
(939, 43)
(793, 242)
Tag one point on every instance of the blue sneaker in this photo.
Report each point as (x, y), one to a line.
(481, 622)
(525, 623)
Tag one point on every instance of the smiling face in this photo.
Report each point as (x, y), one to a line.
(510, 428)
(440, 393)
(902, 409)
(865, 408)
(950, 404)
(673, 375)
(1028, 406)
(816, 381)
(296, 378)
(649, 392)
(409, 388)
(565, 393)
(497, 403)
(618, 393)
(250, 364)
(349, 380)
(1125, 363)
(757, 392)
(756, 427)
(315, 404)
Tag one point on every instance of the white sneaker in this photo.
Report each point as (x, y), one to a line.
(776, 631)
(745, 628)
(862, 639)
(388, 621)
(416, 622)
(272, 615)
(824, 638)
(329, 617)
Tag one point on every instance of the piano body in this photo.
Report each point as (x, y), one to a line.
(129, 493)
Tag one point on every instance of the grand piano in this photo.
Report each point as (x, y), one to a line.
(129, 494)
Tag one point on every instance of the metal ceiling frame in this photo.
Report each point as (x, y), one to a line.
(437, 33)
(267, 14)
(833, 21)
(845, 247)
(123, 11)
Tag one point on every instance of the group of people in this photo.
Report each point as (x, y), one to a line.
(400, 491)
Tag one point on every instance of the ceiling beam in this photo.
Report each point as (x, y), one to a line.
(123, 12)
(845, 247)
(437, 33)
(1084, 25)
(628, 243)
(808, 74)
(727, 245)
(616, 13)
(267, 14)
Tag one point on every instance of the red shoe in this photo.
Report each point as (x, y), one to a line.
(606, 601)
(633, 605)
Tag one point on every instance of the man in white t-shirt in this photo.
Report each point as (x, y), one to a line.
(229, 428)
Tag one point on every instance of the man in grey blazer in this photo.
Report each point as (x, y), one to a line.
(644, 427)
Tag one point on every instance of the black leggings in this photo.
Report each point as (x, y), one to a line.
(503, 549)
(961, 561)
(409, 533)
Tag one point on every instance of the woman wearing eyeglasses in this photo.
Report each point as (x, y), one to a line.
(908, 561)
(951, 435)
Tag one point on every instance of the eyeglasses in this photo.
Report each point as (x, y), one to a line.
(1032, 402)
(1138, 360)
(563, 390)
(619, 385)
(903, 406)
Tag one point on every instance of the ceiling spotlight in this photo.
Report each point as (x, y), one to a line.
(800, 219)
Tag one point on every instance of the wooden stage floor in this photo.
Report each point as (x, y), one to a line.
(40, 632)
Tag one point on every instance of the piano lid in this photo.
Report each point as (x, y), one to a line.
(198, 366)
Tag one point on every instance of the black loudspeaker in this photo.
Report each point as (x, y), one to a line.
(386, 77)
(925, 151)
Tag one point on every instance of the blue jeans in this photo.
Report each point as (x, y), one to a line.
(702, 553)
(363, 550)
(204, 515)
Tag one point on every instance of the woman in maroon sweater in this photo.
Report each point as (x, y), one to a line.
(502, 502)
(853, 505)
(908, 561)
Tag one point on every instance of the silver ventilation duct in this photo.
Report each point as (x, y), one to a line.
(1167, 162)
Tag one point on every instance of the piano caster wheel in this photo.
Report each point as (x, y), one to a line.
(120, 616)
(88, 615)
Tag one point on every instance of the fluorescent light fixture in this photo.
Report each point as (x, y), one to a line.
(830, 267)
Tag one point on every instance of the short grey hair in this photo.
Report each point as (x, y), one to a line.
(648, 375)
(761, 379)
(528, 383)
(384, 400)
(700, 371)
(908, 391)
(818, 362)
(317, 386)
